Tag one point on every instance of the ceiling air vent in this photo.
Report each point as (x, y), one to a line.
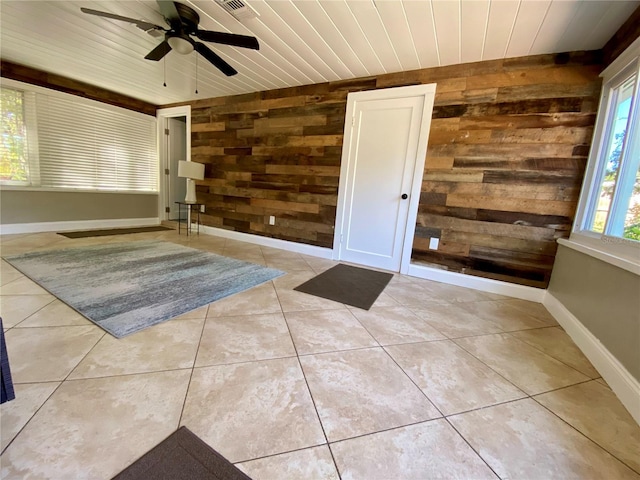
(238, 9)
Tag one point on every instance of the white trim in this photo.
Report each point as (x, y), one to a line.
(477, 283)
(14, 228)
(623, 384)
(17, 188)
(618, 261)
(302, 248)
(620, 252)
(427, 91)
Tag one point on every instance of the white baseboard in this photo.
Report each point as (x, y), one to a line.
(420, 271)
(623, 384)
(77, 225)
(302, 248)
(477, 283)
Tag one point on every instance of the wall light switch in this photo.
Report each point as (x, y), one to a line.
(272, 220)
(433, 243)
(201, 208)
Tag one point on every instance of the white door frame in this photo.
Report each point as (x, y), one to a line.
(162, 115)
(342, 220)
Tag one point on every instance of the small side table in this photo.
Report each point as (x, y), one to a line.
(189, 208)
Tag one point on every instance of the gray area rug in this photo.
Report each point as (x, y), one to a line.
(182, 456)
(126, 287)
(355, 286)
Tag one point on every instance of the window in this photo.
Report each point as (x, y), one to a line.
(615, 209)
(54, 140)
(608, 217)
(14, 167)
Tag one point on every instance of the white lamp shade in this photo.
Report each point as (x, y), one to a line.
(193, 170)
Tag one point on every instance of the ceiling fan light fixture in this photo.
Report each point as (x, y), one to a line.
(181, 45)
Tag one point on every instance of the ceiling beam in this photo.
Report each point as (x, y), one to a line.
(625, 36)
(33, 76)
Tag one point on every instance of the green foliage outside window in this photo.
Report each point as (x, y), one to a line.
(13, 164)
(632, 223)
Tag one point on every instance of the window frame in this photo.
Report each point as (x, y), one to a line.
(618, 251)
(34, 161)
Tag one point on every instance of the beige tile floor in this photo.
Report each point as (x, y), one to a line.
(435, 381)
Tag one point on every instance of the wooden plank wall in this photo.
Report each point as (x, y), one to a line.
(507, 152)
(506, 157)
(273, 153)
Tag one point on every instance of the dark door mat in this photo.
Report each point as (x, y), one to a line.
(182, 456)
(355, 286)
(113, 231)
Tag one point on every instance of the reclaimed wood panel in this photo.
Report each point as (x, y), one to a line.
(502, 178)
(274, 153)
(507, 151)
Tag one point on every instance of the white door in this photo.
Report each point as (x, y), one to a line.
(384, 148)
(171, 150)
(177, 149)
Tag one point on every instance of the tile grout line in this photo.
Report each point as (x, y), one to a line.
(193, 367)
(272, 455)
(32, 314)
(472, 448)
(54, 391)
(490, 367)
(582, 433)
(430, 402)
(413, 382)
(304, 376)
(32, 416)
(131, 374)
(550, 355)
(440, 411)
(515, 385)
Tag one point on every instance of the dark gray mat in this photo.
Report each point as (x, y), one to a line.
(113, 231)
(355, 286)
(182, 456)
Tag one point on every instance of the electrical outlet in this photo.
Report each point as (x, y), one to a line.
(433, 243)
(272, 220)
(201, 208)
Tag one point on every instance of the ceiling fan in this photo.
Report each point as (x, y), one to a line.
(183, 22)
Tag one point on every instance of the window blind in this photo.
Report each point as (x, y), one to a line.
(82, 145)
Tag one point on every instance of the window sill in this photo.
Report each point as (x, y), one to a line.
(17, 188)
(588, 246)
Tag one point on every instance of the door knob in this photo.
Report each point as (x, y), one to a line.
(405, 196)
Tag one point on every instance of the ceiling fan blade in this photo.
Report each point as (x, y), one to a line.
(218, 62)
(169, 11)
(234, 39)
(159, 52)
(141, 24)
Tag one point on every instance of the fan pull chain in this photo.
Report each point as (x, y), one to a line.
(164, 66)
(196, 74)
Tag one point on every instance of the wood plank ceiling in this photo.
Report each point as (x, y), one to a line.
(302, 41)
